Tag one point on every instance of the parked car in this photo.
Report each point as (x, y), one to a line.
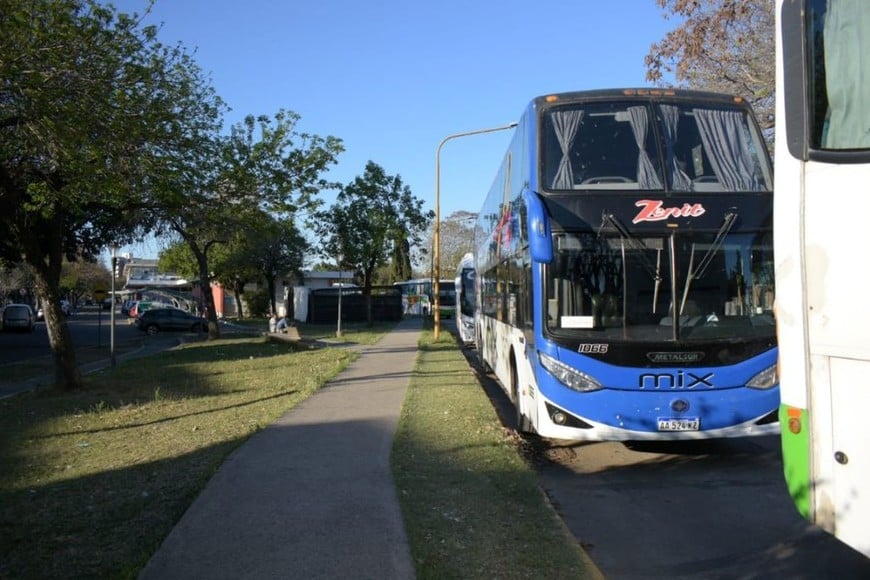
(18, 317)
(144, 305)
(65, 309)
(170, 319)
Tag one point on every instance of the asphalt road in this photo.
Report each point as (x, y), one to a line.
(89, 328)
(707, 509)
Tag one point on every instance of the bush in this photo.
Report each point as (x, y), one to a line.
(256, 303)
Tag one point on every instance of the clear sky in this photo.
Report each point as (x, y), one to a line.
(393, 78)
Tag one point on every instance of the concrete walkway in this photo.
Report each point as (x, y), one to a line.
(311, 496)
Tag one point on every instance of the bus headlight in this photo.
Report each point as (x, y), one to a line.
(765, 379)
(571, 378)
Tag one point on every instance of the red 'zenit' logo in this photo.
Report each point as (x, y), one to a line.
(652, 211)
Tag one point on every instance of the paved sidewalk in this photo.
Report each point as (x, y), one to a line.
(312, 495)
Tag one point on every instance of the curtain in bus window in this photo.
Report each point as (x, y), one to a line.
(647, 178)
(671, 120)
(725, 142)
(566, 122)
(847, 68)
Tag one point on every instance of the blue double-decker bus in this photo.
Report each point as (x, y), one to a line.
(624, 268)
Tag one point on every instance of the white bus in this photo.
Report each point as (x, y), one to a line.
(821, 228)
(465, 299)
(418, 297)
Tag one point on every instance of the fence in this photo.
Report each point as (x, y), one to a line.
(323, 304)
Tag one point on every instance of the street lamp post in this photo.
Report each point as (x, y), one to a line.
(338, 329)
(437, 237)
(114, 249)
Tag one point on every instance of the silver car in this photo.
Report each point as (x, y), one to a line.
(18, 317)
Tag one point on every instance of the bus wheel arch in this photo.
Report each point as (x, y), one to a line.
(523, 423)
(479, 346)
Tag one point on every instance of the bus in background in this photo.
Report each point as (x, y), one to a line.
(465, 299)
(447, 298)
(418, 297)
(624, 268)
(821, 214)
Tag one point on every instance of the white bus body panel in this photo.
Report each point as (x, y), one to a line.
(824, 334)
(839, 345)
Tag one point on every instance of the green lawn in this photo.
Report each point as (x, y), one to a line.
(92, 481)
(472, 506)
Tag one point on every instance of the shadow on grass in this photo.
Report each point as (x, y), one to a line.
(104, 525)
(170, 418)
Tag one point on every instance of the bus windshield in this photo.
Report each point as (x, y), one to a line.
(466, 281)
(613, 287)
(637, 146)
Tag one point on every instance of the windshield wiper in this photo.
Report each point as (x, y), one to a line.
(705, 262)
(634, 244)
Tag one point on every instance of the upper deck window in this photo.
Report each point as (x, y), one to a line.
(838, 68)
(625, 146)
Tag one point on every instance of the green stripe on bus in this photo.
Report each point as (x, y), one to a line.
(796, 458)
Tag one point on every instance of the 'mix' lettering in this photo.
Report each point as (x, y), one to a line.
(680, 380)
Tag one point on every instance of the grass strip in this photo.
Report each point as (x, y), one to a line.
(92, 481)
(472, 506)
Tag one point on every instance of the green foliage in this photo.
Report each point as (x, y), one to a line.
(178, 258)
(90, 107)
(79, 279)
(218, 198)
(400, 259)
(94, 115)
(258, 302)
(375, 217)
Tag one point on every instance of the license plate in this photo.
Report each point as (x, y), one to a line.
(682, 424)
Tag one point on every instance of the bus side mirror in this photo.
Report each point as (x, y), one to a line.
(540, 238)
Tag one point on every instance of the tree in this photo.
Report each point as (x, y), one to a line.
(400, 259)
(267, 250)
(16, 284)
(279, 251)
(264, 164)
(456, 239)
(91, 108)
(79, 279)
(723, 46)
(372, 215)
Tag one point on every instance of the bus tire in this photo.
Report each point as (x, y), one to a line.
(523, 423)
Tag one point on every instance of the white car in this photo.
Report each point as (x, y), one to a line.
(65, 308)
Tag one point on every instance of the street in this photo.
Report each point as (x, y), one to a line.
(698, 509)
(89, 328)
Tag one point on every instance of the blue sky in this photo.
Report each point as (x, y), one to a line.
(393, 78)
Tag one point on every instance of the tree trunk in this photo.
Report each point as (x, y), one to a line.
(67, 375)
(214, 330)
(270, 288)
(367, 292)
(238, 289)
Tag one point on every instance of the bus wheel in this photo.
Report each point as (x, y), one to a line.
(523, 424)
